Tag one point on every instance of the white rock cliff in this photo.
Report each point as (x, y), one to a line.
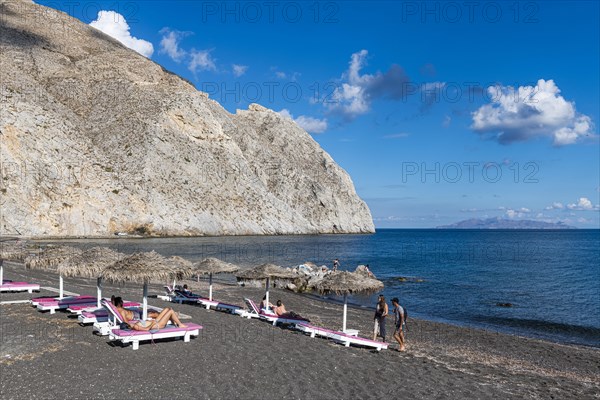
(96, 139)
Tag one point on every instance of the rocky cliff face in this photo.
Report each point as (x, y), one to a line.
(96, 139)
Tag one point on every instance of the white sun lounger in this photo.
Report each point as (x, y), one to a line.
(217, 305)
(19, 287)
(270, 317)
(179, 296)
(340, 337)
(135, 337)
(168, 294)
(94, 314)
(65, 303)
(101, 319)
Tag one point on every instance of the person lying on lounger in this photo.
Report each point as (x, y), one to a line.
(264, 305)
(163, 318)
(283, 313)
(160, 321)
(128, 315)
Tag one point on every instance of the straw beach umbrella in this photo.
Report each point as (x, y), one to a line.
(180, 262)
(145, 268)
(268, 272)
(343, 282)
(90, 264)
(49, 259)
(212, 266)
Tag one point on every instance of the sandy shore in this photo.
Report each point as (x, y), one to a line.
(52, 357)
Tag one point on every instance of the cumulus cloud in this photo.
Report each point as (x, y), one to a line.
(309, 124)
(115, 25)
(556, 206)
(201, 60)
(356, 91)
(529, 112)
(239, 70)
(583, 204)
(520, 213)
(169, 44)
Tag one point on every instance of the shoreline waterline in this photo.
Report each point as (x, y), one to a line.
(546, 276)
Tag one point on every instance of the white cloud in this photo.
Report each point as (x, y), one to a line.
(583, 204)
(114, 25)
(309, 124)
(353, 97)
(520, 213)
(169, 44)
(529, 112)
(201, 60)
(239, 70)
(556, 206)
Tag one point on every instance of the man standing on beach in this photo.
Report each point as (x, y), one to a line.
(336, 264)
(400, 317)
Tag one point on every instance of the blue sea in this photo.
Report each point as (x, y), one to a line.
(551, 278)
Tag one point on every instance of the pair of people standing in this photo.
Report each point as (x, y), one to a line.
(381, 311)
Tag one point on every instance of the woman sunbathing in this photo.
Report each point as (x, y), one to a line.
(160, 319)
(166, 315)
(129, 315)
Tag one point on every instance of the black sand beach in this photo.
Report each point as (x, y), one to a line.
(52, 357)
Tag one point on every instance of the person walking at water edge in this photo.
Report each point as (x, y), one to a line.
(399, 317)
(336, 264)
(381, 311)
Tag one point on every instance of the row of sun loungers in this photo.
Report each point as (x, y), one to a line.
(304, 325)
(107, 320)
(346, 338)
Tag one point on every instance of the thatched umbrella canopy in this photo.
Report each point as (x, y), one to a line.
(212, 266)
(344, 283)
(147, 267)
(50, 258)
(13, 249)
(266, 271)
(90, 264)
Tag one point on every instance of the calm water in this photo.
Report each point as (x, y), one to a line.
(459, 276)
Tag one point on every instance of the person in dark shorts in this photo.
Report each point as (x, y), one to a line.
(400, 318)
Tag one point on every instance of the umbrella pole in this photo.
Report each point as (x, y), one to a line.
(145, 303)
(267, 293)
(99, 291)
(1, 272)
(210, 287)
(60, 287)
(345, 311)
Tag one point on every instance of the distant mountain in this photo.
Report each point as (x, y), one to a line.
(501, 223)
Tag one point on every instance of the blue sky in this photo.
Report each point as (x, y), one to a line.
(440, 111)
